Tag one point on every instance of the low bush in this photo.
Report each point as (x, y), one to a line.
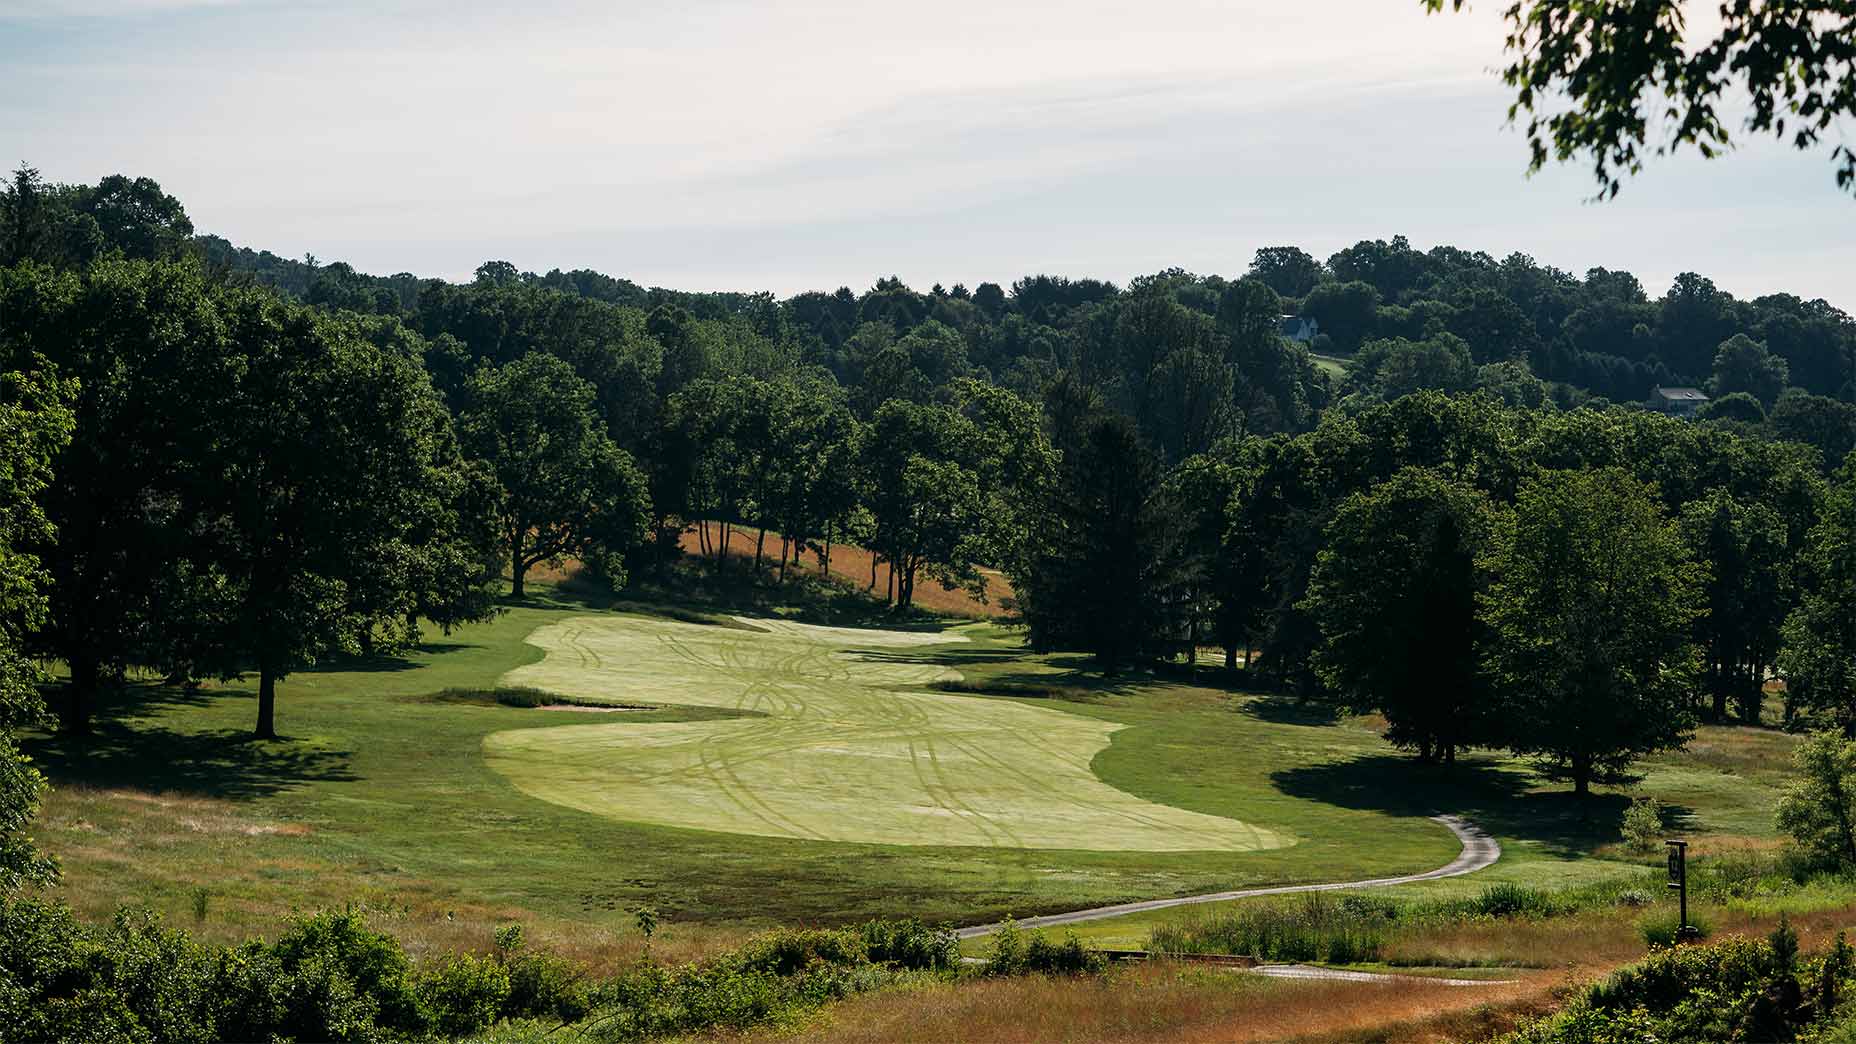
(911, 944)
(464, 994)
(1664, 928)
(1731, 991)
(541, 985)
(1016, 952)
(1643, 824)
(789, 951)
(1315, 927)
(1513, 900)
(332, 977)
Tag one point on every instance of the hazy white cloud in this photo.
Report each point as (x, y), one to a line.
(41, 9)
(727, 143)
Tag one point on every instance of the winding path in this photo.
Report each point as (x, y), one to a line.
(1479, 851)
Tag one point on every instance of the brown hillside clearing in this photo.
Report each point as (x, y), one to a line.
(853, 564)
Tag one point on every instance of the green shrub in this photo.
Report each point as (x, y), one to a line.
(911, 944)
(1660, 929)
(1513, 900)
(339, 944)
(1370, 907)
(1643, 824)
(463, 994)
(540, 984)
(1014, 951)
(1314, 928)
(1005, 949)
(789, 951)
(1069, 957)
(160, 975)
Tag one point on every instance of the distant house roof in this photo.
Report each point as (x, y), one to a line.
(1300, 328)
(1680, 394)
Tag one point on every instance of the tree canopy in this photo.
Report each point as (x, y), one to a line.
(1612, 82)
(1590, 606)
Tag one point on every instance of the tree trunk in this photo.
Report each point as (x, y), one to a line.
(267, 704)
(74, 715)
(872, 587)
(760, 545)
(1581, 775)
(516, 566)
(785, 553)
(1230, 657)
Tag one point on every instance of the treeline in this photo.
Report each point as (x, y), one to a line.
(255, 481)
(1579, 584)
(1191, 358)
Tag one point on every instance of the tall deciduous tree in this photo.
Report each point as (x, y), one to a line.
(1590, 615)
(1395, 593)
(566, 490)
(1742, 364)
(148, 346)
(313, 506)
(1747, 592)
(1819, 807)
(35, 421)
(1290, 271)
(923, 495)
(1818, 660)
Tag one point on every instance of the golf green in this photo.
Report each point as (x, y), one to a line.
(833, 746)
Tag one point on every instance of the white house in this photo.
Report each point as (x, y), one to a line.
(1300, 329)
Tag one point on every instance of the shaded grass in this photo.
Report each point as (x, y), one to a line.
(522, 696)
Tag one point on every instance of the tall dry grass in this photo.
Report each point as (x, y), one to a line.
(1169, 1002)
(1158, 1002)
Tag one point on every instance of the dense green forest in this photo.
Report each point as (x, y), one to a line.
(272, 461)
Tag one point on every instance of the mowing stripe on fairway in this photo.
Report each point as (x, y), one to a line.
(842, 752)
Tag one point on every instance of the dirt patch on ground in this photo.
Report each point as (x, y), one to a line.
(853, 564)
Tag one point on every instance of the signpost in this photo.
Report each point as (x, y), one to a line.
(1678, 880)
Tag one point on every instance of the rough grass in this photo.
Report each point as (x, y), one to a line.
(838, 750)
(1157, 1002)
(1549, 959)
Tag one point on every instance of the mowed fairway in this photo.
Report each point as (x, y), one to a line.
(835, 747)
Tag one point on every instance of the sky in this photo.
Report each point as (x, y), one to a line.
(811, 144)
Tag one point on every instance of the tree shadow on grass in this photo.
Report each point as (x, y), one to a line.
(1072, 672)
(384, 663)
(1286, 710)
(225, 763)
(1497, 797)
